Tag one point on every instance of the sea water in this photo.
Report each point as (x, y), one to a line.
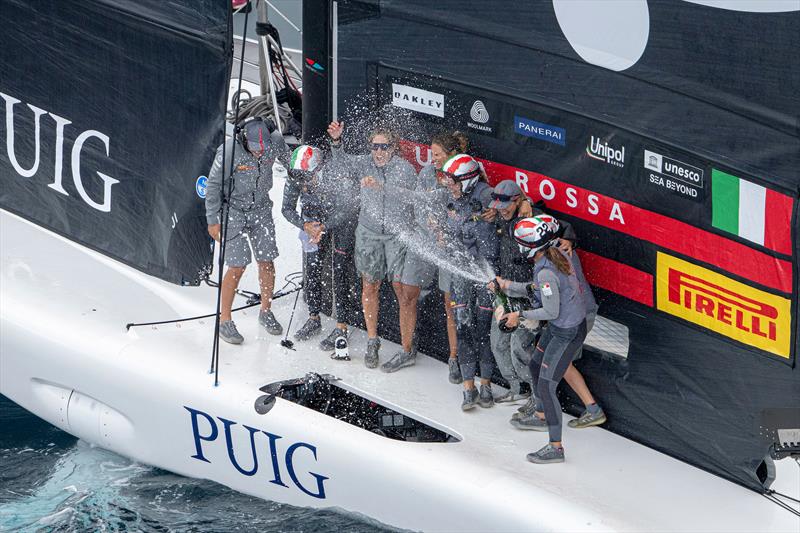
(51, 481)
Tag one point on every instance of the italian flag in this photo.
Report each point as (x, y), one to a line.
(751, 211)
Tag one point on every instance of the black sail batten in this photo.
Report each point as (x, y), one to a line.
(641, 149)
(129, 98)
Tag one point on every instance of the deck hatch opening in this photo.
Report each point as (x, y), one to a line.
(323, 394)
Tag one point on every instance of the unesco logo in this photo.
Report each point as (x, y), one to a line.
(478, 113)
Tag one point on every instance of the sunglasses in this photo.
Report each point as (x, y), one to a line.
(503, 197)
(381, 146)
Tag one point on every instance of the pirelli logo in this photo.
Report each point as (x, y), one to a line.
(723, 305)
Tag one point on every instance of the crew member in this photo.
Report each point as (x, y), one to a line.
(382, 216)
(256, 145)
(556, 286)
(471, 301)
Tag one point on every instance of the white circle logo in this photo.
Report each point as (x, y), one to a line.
(478, 113)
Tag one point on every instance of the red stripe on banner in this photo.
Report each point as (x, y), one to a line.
(642, 224)
(617, 277)
(778, 222)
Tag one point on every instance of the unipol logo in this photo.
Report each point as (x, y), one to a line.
(43, 118)
(602, 151)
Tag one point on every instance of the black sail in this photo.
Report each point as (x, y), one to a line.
(667, 133)
(111, 112)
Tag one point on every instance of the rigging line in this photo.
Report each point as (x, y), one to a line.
(226, 207)
(782, 495)
(779, 503)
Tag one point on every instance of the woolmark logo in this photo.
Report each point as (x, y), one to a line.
(539, 130)
(723, 305)
(418, 100)
(478, 113)
(602, 151)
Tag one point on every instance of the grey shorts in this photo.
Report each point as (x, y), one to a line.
(255, 226)
(417, 271)
(379, 256)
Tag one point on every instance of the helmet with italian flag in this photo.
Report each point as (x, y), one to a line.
(462, 168)
(306, 158)
(535, 233)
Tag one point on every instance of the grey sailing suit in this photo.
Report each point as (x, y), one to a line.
(417, 270)
(383, 213)
(512, 351)
(250, 212)
(471, 300)
(564, 307)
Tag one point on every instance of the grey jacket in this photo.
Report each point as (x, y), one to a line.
(480, 237)
(252, 177)
(383, 209)
(328, 198)
(561, 296)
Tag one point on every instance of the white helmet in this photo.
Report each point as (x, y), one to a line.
(535, 233)
(306, 158)
(462, 168)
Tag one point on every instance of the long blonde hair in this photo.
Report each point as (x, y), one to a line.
(559, 260)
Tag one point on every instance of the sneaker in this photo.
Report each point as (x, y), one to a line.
(548, 454)
(400, 360)
(312, 327)
(525, 410)
(269, 322)
(229, 333)
(511, 396)
(454, 371)
(470, 399)
(329, 343)
(532, 422)
(486, 398)
(588, 419)
(371, 358)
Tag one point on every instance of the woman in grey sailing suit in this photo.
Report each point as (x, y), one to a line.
(383, 214)
(253, 149)
(556, 286)
(471, 300)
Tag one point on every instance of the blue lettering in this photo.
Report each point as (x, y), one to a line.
(229, 442)
(290, 466)
(276, 469)
(196, 433)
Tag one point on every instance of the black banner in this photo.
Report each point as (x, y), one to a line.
(680, 180)
(111, 114)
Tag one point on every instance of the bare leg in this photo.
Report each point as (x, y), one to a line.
(452, 334)
(369, 301)
(266, 278)
(407, 296)
(469, 384)
(229, 283)
(575, 380)
(342, 326)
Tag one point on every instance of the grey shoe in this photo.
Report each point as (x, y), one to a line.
(312, 327)
(525, 410)
(454, 371)
(399, 360)
(548, 454)
(229, 333)
(371, 358)
(269, 322)
(470, 399)
(588, 419)
(531, 422)
(329, 343)
(511, 396)
(486, 398)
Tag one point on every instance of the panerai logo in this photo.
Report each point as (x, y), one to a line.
(540, 130)
(602, 151)
(253, 444)
(418, 100)
(74, 156)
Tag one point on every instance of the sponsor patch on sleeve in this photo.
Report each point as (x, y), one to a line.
(546, 289)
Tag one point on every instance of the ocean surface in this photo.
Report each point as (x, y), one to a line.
(51, 481)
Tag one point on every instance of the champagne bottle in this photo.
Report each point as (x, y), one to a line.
(508, 305)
